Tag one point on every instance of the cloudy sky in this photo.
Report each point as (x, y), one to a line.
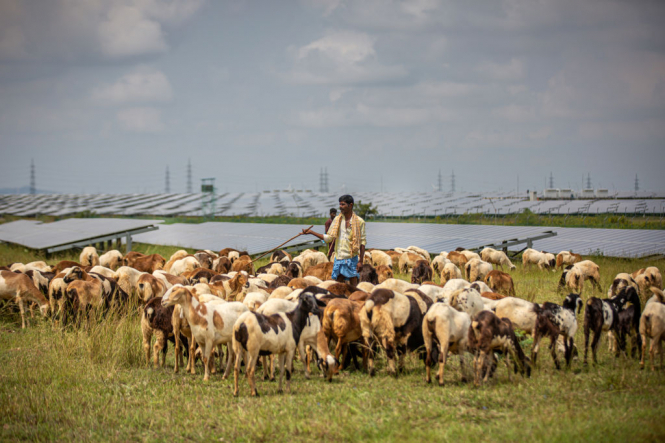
(104, 95)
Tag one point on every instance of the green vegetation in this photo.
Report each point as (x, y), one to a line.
(93, 384)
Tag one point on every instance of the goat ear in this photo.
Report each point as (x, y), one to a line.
(579, 305)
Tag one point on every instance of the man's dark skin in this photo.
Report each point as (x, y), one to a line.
(346, 210)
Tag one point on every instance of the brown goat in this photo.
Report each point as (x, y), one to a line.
(500, 282)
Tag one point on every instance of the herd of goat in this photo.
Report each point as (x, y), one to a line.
(205, 300)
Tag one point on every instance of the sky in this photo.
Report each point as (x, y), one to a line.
(105, 95)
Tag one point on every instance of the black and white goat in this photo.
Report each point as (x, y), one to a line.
(603, 315)
(259, 334)
(553, 321)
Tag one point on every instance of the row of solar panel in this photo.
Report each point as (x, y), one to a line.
(312, 204)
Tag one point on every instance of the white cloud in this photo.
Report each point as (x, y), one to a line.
(142, 86)
(148, 120)
(364, 115)
(342, 57)
(128, 32)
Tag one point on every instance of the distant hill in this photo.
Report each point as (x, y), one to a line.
(24, 190)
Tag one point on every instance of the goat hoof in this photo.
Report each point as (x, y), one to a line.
(280, 391)
(442, 384)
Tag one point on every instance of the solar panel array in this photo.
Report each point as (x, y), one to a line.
(38, 235)
(256, 237)
(314, 204)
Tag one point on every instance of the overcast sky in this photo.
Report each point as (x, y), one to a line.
(104, 95)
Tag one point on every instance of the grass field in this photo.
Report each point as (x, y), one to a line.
(94, 385)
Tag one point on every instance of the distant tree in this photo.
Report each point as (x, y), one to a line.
(365, 209)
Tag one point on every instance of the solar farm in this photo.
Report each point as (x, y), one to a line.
(315, 204)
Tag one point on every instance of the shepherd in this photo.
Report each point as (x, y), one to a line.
(347, 237)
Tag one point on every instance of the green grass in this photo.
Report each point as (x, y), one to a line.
(94, 385)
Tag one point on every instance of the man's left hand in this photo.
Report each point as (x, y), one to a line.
(359, 266)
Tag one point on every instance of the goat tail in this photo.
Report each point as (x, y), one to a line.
(658, 293)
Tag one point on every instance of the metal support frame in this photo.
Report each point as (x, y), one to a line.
(505, 244)
(116, 236)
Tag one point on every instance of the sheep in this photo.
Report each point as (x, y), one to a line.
(421, 272)
(476, 269)
(89, 256)
(127, 278)
(555, 321)
(183, 265)
(211, 323)
(467, 300)
(488, 333)
(652, 326)
(495, 257)
(340, 320)
(423, 253)
(438, 263)
(448, 329)
(408, 260)
(149, 286)
(603, 315)
(565, 258)
(380, 258)
(458, 260)
(500, 282)
(157, 320)
(274, 334)
(392, 317)
(543, 260)
(20, 287)
(177, 255)
(309, 331)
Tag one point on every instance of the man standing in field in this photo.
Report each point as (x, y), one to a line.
(347, 231)
(333, 214)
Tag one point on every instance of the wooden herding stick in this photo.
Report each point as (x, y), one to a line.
(273, 250)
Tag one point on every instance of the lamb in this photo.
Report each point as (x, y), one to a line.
(488, 333)
(448, 329)
(500, 282)
(565, 258)
(89, 256)
(476, 269)
(340, 320)
(211, 323)
(20, 287)
(157, 320)
(495, 257)
(652, 326)
(543, 260)
(274, 334)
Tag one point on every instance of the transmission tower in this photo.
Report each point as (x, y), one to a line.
(551, 181)
(167, 187)
(33, 189)
(588, 181)
(439, 185)
(637, 183)
(189, 175)
(452, 182)
(323, 180)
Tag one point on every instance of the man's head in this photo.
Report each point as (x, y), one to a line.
(333, 212)
(346, 204)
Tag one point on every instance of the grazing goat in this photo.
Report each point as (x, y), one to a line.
(89, 256)
(211, 323)
(467, 300)
(488, 333)
(111, 259)
(19, 287)
(369, 274)
(408, 260)
(652, 326)
(458, 260)
(321, 271)
(603, 315)
(341, 321)
(259, 334)
(448, 330)
(498, 258)
(157, 320)
(380, 258)
(543, 260)
(421, 272)
(149, 286)
(450, 272)
(554, 321)
(500, 282)
(477, 270)
(565, 258)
